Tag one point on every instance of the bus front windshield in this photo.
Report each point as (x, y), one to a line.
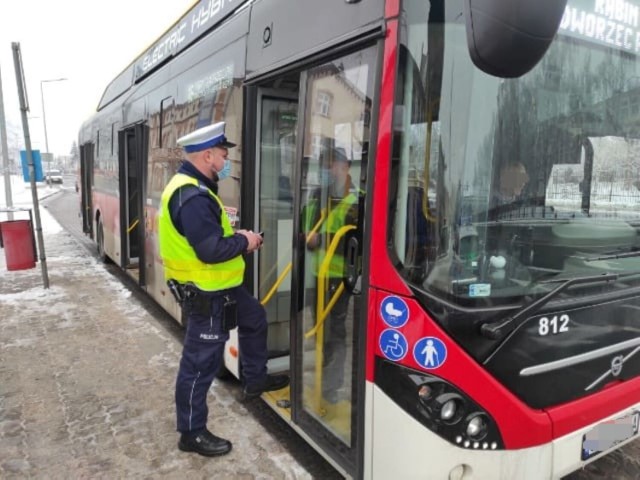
(504, 187)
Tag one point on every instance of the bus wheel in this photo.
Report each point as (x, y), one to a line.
(224, 374)
(102, 255)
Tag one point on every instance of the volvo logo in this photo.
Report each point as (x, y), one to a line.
(616, 365)
(616, 368)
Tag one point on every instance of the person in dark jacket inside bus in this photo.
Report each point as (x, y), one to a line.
(339, 201)
(203, 263)
(511, 181)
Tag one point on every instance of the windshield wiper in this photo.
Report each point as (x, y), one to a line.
(497, 330)
(611, 256)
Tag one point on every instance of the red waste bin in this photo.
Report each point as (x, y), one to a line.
(18, 244)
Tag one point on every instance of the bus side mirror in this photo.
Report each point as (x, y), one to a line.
(507, 38)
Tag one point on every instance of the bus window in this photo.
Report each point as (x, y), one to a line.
(505, 186)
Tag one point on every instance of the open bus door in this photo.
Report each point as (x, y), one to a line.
(86, 182)
(311, 179)
(132, 162)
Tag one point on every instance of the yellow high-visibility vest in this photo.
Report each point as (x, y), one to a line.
(178, 256)
(335, 220)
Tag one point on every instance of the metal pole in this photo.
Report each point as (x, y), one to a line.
(47, 176)
(5, 152)
(44, 118)
(24, 108)
(44, 121)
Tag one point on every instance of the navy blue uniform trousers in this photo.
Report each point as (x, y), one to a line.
(202, 355)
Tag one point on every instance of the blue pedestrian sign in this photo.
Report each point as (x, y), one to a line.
(430, 352)
(394, 311)
(393, 344)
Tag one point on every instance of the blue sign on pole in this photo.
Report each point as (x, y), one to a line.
(37, 163)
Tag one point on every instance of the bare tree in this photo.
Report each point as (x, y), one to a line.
(75, 156)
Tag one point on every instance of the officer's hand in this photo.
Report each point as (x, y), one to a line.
(255, 240)
(313, 240)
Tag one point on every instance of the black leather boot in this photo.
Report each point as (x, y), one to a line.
(204, 443)
(269, 384)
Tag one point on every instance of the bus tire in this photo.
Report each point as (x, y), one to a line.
(102, 255)
(224, 374)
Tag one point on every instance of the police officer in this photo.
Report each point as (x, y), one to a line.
(201, 252)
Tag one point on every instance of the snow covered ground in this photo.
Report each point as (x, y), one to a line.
(21, 191)
(87, 375)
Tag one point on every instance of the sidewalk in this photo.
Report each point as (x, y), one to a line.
(87, 379)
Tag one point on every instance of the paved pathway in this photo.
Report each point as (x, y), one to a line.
(86, 383)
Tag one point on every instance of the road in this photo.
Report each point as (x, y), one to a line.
(623, 464)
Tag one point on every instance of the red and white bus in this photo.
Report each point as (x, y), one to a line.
(487, 316)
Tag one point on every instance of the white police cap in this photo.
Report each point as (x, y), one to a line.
(205, 137)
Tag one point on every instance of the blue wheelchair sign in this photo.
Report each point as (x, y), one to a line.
(394, 311)
(393, 344)
(430, 352)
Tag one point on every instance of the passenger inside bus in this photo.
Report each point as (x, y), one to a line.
(329, 208)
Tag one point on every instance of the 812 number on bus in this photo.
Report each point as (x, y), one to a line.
(553, 325)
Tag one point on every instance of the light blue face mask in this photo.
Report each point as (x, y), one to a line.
(226, 170)
(324, 177)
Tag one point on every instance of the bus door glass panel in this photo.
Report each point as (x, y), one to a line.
(86, 170)
(332, 196)
(278, 124)
(132, 195)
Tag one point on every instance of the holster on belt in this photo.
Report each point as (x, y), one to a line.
(198, 302)
(177, 290)
(184, 293)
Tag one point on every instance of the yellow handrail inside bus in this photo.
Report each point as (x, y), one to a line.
(275, 286)
(321, 310)
(427, 164)
(287, 269)
(133, 225)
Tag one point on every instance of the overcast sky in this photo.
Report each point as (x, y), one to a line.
(86, 41)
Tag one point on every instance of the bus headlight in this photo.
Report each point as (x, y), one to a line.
(449, 407)
(439, 406)
(449, 410)
(476, 426)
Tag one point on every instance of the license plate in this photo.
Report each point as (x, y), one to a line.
(608, 434)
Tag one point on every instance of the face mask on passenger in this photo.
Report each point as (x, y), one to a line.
(338, 186)
(324, 177)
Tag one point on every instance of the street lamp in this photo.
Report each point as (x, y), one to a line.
(44, 119)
